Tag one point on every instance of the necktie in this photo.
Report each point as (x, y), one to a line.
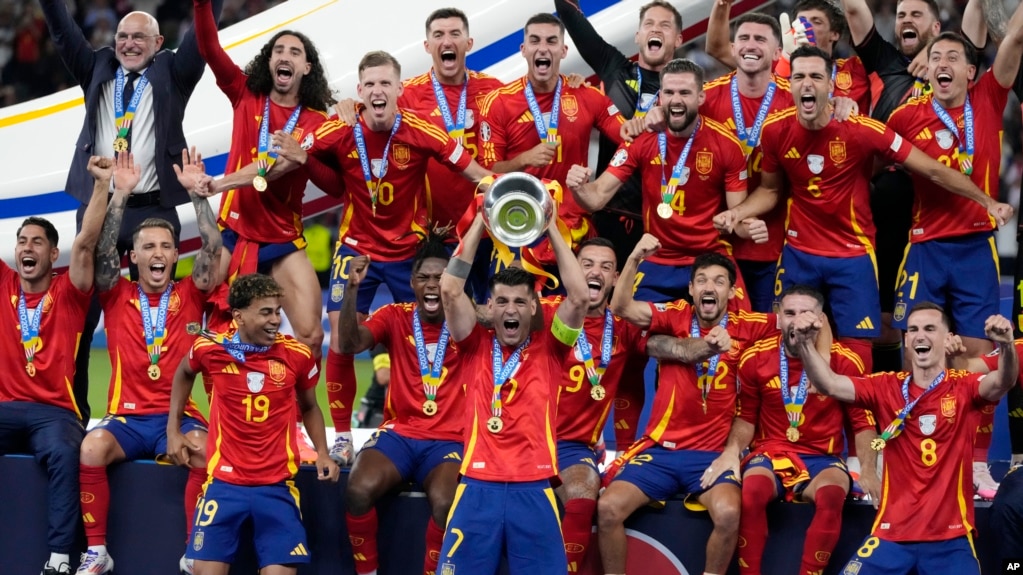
(126, 95)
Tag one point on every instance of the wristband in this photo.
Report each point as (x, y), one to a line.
(458, 268)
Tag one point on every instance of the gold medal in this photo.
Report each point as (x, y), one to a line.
(877, 444)
(495, 425)
(259, 182)
(664, 211)
(154, 372)
(430, 407)
(120, 144)
(597, 392)
(193, 328)
(792, 434)
(31, 369)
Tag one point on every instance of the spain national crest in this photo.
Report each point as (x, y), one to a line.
(704, 162)
(277, 371)
(900, 311)
(837, 151)
(948, 406)
(401, 154)
(197, 540)
(569, 105)
(843, 80)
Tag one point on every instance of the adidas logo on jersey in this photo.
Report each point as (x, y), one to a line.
(230, 368)
(299, 550)
(924, 134)
(865, 324)
(792, 154)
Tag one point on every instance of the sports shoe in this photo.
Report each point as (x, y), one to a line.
(342, 452)
(186, 565)
(306, 451)
(62, 569)
(983, 483)
(94, 563)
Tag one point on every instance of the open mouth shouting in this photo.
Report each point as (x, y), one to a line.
(596, 290)
(943, 79)
(158, 271)
(511, 328)
(448, 56)
(654, 45)
(28, 263)
(808, 103)
(283, 74)
(543, 65)
(708, 305)
(910, 38)
(431, 303)
(922, 350)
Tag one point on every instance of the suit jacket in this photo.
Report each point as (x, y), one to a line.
(172, 77)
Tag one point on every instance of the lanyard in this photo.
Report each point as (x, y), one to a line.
(503, 372)
(965, 156)
(668, 187)
(547, 133)
(455, 127)
(266, 157)
(123, 118)
(594, 373)
(430, 373)
(234, 346)
(30, 330)
(367, 174)
(154, 334)
(793, 405)
(704, 379)
(899, 422)
(642, 110)
(751, 137)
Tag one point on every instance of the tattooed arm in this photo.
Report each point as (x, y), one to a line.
(192, 176)
(108, 261)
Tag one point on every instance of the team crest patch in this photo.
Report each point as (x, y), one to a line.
(948, 406)
(447, 569)
(569, 105)
(307, 142)
(174, 305)
(376, 166)
(197, 540)
(837, 151)
(337, 291)
(254, 381)
(684, 178)
(485, 131)
(900, 311)
(822, 556)
(927, 423)
(843, 80)
(277, 371)
(401, 154)
(944, 139)
(852, 568)
(619, 158)
(704, 162)
(815, 163)
(470, 118)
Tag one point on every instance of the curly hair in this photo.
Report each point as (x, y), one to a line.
(251, 287)
(432, 246)
(314, 93)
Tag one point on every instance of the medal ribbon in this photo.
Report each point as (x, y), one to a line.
(965, 156)
(456, 127)
(751, 137)
(712, 363)
(549, 133)
(367, 173)
(793, 405)
(266, 157)
(642, 110)
(502, 373)
(123, 118)
(668, 187)
(896, 426)
(29, 328)
(154, 334)
(233, 345)
(430, 372)
(586, 351)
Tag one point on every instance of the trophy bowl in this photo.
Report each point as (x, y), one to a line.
(517, 209)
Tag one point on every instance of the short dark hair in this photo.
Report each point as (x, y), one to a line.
(836, 18)
(758, 18)
(929, 305)
(667, 6)
(596, 242)
(803, 289)
(713, 259)
(431, 247)
(48, 228)
(443, 13)
(512, 276)
(812, 52)
(379, 58)
(969, 52)
(544, 18)
(683, 66)
(154, 223)
(251, 287)
(932, 6)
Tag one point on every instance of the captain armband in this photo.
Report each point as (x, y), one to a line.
(563, 333)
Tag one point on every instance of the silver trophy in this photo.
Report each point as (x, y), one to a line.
(517, 209)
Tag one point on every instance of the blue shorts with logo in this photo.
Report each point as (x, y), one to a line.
(662, 473)
(959, 274)
(144, 436)
(277, 528)
(659, 283)
(414, 458)
(576, 453)
(849, 286)
(815, 464)
(879, 557)
(397, 276)
(268, 254)
(759, 280)
(491, 519)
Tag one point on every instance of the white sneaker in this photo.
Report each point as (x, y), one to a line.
(984, 485)
(94, 563)
(342, 452)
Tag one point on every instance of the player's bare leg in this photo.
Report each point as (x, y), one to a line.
(724, 502)
(827, 491)
(372, 476)
(578, 491)
(440, 485)
(618, 501)
(278, 570)
(211, 567)
(302, 298)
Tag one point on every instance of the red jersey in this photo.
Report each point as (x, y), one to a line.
(718, 106)
(391, 325)
(927, 486)
(991, 359)
(448, 193)
(715, 166)
(525, 449)
(937, 213)
(252, 437)
(63, 307)
(508, 129)
(132, 391)
(761, 404)
(580, 417)
(391, 234)
(828, 175)
(852, 81)
(677, 419)
(273, 216)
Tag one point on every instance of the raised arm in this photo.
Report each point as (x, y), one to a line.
(353, 336)
(859, 18)
(188, 63)
(592, 196)
(1006, 65)
(994, 16)
(956, 182)
(459, 311)
(83, 251)
(973, 25)
(997, 383)
(224, 69)
(108, 261)
(75, 51)
(601, 56)
(192, 176)
(572, 309)
(719, 36)
(622, 303)
(806, 326)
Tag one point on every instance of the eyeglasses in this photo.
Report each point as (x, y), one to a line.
(136, 37)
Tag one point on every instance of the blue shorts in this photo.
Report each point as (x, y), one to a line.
(849, 286)
(268, 253)
(815, 464)
(144, 436)
(879, 557)
(397, 276)
(488, 519)
(277, 528)
(576, 453)
(414, 458)
(959, 274)
(660, 283)
(662, 473)
(759, 280)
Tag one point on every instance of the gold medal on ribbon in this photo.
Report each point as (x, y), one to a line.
(30, 368)
(193, 328)
(877, 444)
(495, 425)
(120, 144)
(259, 182)
(597, 392)
(154, 372)
(664, 211)
(792, 434)
(430, 407)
